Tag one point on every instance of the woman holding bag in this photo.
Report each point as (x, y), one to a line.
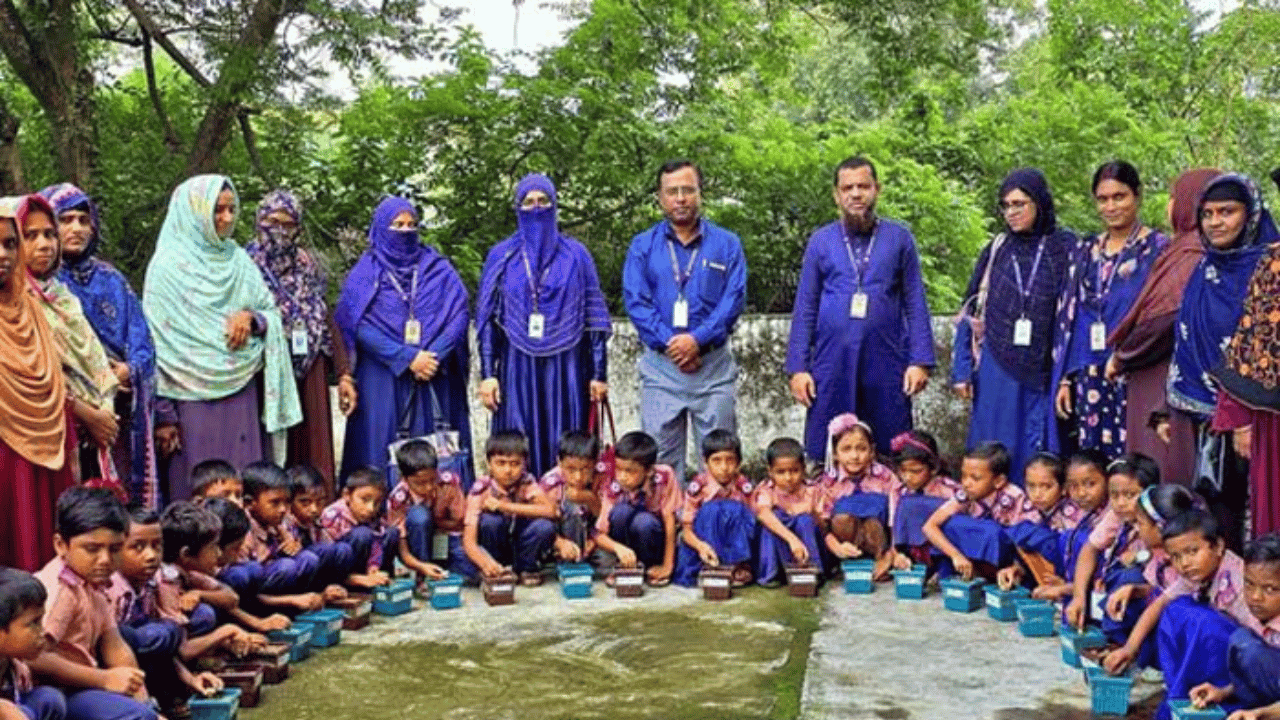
(403, 318)
(543, 328)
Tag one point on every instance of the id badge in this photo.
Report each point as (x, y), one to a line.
(1097, 605)
(298, 343)
(412, 332)
(680, 314)
(1098, 336)
(537, 325)
(440, 546)
(858, 305)
(1022, 332)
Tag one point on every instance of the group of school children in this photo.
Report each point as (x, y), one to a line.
(133, 598)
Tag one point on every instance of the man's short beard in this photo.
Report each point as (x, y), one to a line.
(861, 224)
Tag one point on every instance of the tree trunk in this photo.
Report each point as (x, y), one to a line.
(11, 179)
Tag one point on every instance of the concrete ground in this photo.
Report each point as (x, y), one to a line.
(673, 655)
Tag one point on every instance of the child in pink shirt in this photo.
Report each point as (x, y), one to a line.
(638, 509)
(789, 511)
(427, 507)
(355, 519)
(571, 486)
(717, 519)
(920, 487)
(509, 519)
(22, 600)
(856, 494)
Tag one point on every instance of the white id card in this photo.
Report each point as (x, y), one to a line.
(1097, 606)
(537, 325)
(858, 305)
(298, 344)
(440, 546)
(680, 314)
(1098, 336)
(1022, 332)
(412, 332)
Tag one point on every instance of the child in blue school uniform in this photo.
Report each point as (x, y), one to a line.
(1254, 654)
(85, 655)
(1114, 554)
(214, 570)
(1039, 544)
(921, 486)
(307, 499)
(509, 519)
(789, 511)
(427, 506)
(719, 526)
(572, 487)
(156, 639)
(22, 599)
(856, 487)
(637, 522)
(355, 519)
(1194, 617)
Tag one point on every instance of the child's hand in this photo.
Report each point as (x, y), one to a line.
(708, 555)
(567, 550)
(492, 504)
(188, 601)
(275, 621)
(799, 551)
(377, 577)
(1206, 694)
(964, 568)
(1051, 592)
(1075, 613)
(658, 573)
(206, 683)
(1009, 577)
(256, 642)
(626, 556)
(1052, 579)
(901, 561)
(123, 680)
(848, 550)
(289, 544)
(309, 602)
(434, 572)
(491, 568)
(333, 593)
(1118, 601)
(1117, 660)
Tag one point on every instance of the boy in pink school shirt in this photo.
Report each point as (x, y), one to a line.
(789, 512)
(427, 507)
(22, 600)
(216, 479)
(215, 573)
(637, 522)
(85, 654)
(307, 499)
(155, 636)
(719, 524)
(355, 519)
(509, 519)
(979, 513)
(571, 487)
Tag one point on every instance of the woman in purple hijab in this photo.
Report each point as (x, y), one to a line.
(403, 318)
(543, 326)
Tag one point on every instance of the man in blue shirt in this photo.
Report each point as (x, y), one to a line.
(683, 284)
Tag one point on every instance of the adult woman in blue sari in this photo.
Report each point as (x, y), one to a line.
(543, 327)
(403, 316)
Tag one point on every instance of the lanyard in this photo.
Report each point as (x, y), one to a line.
(681, 277)
(1024, 290)
(860, 265)
(534, 283)
(408, 299)
(1103, 286)
(275, 283)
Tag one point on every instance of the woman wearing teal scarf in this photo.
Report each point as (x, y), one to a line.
(216, 327)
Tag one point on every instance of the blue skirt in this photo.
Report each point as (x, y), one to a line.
(908, 523)
(1008, 411)
(1193, 641)
(728, 527)
(864, 506)
(1034, 538)
(978, 539)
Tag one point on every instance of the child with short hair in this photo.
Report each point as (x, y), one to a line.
(154, 636)
(920, 487)
(509, 519)
(424, 504)
(638, 509)
(241, 579)
(1087, 487)
(22, 600)
(355, 519)
(1254, 652)
(1039, 544)
(571, 487)
(789, 511)
(718, 520)
(86, 655)
(216, 479)
(290, 572)
(308, 497)
(856, 491)
(977, 515)
(1195, 616)
(1109, 558)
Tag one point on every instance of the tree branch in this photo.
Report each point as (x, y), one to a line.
(16, 43)
(171, 139)
(251, 144)
(149, 25)
(12, 181)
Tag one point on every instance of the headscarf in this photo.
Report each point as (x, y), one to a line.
(568, 290)
(369, 293)
(1251, 372)
(1161, 294)
(295, 277)
(195, 280)
(116, 315)
(1031, 364)
(1213, 301)
(85, 367)
(32, 393)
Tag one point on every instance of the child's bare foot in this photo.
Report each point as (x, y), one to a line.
(880, 570)
(742, 575)
(333, 593)
(531, 579)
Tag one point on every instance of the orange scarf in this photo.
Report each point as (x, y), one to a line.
(32, 394)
